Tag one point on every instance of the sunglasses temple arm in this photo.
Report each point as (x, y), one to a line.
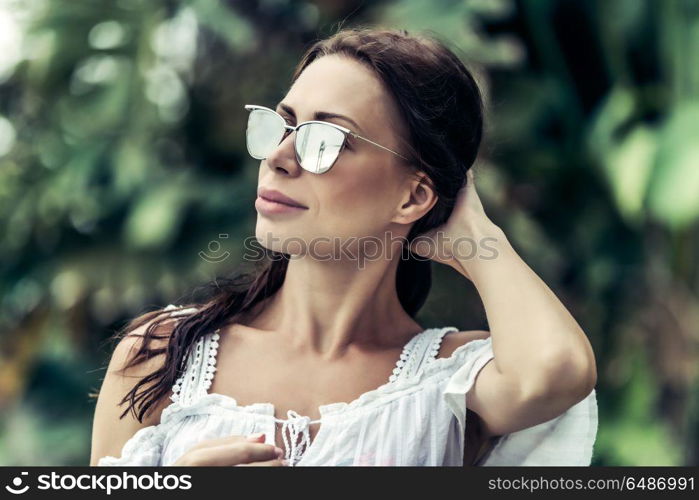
(379, 145)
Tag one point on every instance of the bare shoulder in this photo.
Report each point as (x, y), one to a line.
(478, 432)
(109, 431)
(453, 340)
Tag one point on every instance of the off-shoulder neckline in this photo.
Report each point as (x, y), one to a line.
(435, 366)
(176, 412)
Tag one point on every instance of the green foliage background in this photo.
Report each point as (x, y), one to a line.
(122, 157)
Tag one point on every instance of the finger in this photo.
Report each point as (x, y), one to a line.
(257, 437)
(256, 452)
(267, 463)
(237, 453)
(235, 438)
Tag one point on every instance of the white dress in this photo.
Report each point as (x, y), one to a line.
(418, 417)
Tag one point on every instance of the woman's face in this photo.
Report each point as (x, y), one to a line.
(367, 191)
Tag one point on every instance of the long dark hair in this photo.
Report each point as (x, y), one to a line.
(441, 105)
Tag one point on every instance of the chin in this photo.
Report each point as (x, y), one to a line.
(276, 237)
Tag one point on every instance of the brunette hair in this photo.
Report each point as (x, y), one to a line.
(441, 105)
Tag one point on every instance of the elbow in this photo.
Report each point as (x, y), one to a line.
(562, 376)
(590, 375)
(584, 365)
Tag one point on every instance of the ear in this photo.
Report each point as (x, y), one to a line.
(420, 197)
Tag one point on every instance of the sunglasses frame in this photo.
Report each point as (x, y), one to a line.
(292, 128)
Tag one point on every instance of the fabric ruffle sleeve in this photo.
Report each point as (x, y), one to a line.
(144, 448)
(567, 439)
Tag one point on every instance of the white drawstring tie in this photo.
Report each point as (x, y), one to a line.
(295, 425)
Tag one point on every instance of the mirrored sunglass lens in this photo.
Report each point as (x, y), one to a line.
(264, 133)
(318, 145)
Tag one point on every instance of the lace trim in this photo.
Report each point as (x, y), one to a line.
(195, 379)
(407, 359)
(436, 344)
(211, 362)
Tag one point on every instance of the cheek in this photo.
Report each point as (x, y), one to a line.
(358, 203)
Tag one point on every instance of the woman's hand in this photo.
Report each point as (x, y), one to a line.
(233, 450)
(461, 238)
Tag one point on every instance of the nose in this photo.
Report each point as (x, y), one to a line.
(283, 159)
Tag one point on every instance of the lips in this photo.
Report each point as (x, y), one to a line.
(276, 196)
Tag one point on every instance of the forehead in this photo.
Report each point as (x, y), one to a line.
(341, 85)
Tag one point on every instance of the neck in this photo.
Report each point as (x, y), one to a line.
(324, 307)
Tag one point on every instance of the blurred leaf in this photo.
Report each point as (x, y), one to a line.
(458, 22)
(628, 167)
(674, 195)
(224, 22)
(155, 217)
(615, 110)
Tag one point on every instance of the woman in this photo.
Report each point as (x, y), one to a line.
(318, 357)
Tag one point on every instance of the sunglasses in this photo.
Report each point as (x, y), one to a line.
(317, 144)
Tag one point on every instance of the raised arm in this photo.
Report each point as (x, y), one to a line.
(543, 362)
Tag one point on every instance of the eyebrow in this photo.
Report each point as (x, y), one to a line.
(320, 115)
